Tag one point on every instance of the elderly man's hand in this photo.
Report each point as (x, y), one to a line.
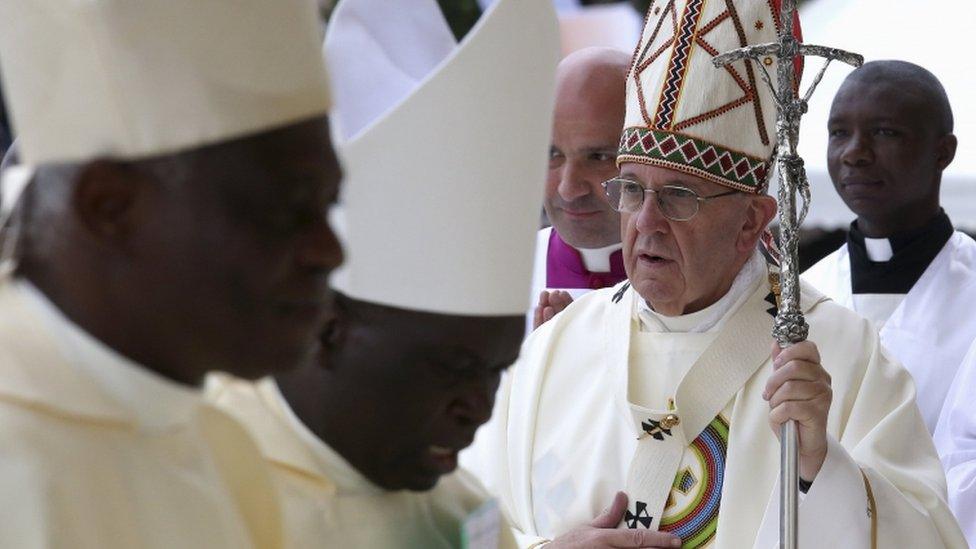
(603, 533)
(799, 389)
(550, 303)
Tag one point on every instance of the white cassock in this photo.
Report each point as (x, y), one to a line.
(924, 329)
(955, 439)
(99, 453)
(328, 503)
(607, 371)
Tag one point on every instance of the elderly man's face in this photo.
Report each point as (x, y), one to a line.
(585, 137)
(681, 267)
(884, 153)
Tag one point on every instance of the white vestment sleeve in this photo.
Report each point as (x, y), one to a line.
(955, 439)
(885, 438)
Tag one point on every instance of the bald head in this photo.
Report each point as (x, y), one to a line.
(588, 121)
(913, 82)
(890, 138)
(590, 74)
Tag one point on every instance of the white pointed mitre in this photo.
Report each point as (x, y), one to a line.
(129, 79)
(376, 61)
(443, 192)
(683, 113)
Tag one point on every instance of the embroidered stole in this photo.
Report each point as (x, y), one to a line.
(710, 384)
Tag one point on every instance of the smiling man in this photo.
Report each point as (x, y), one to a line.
(666, 387)
(439, 229)
(903, 267)
(581, 251)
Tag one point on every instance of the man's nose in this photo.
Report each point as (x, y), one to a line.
(472, 405)
(857, 151)
(320, 249)
(572, 181)
(650, 219)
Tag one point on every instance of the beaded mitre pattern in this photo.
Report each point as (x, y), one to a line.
(685, 114)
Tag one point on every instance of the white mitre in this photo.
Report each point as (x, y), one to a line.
(133, 79)
(441, 199)
(379, 60)
(685, 114)
(104, 78)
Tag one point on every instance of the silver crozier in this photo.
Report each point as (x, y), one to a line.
(790, 326)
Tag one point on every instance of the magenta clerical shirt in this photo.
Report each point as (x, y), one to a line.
(564, 267)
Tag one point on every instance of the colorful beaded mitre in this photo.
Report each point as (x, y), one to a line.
(687, 115)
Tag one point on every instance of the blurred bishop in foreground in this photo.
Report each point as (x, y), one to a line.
(177, 165)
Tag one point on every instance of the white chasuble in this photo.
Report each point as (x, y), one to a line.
(565, 438)
(928, 331)
(97, 452)
(328, 503)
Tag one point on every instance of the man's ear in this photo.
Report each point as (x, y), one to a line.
(105, 197)
(760, 211)
(945, 151)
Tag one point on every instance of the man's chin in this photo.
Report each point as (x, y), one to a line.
(656, 294)
(416, 482)
(577, 235)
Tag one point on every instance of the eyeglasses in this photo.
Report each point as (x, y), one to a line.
(676, 203)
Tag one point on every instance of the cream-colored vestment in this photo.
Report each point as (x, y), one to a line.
(99, 453)
(600, 402)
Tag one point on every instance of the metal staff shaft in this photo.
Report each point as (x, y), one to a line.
(789, 314)
(790, 326)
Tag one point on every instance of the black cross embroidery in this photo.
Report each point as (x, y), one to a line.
(641, 516)
(654, 429)
(620, 293)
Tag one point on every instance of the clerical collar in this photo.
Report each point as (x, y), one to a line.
(597, 260)
(568, 267)
(157, 402)
(710, 318)
(893, 265)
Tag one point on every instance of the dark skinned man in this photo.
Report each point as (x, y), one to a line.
(903, 267)
(179, 167)
(439, 226)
